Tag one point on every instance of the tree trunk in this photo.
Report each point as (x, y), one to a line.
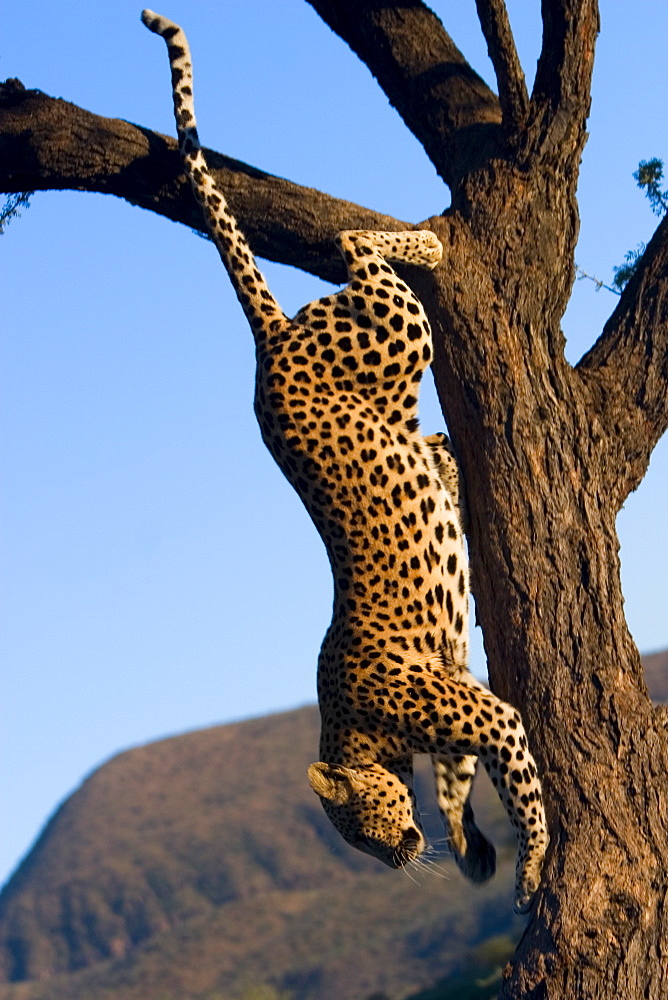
(542, 497)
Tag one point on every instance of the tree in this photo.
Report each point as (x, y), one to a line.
(549, 451)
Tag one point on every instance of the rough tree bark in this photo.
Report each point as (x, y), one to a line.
(549, 451)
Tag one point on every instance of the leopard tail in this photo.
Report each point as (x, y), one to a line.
(255, 296)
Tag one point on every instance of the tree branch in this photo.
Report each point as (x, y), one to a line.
(442, 100)
(561, 95)
(47, 143)
(513, 94)
(627, 368)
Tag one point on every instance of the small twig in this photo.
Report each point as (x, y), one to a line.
(597, 281)
(12, 208)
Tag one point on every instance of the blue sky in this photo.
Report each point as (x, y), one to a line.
(159, 574)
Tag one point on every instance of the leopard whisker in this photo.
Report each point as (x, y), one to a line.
(439, 844)
(408, 874)
(433, 868)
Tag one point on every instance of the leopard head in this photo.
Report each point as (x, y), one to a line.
(373, 809)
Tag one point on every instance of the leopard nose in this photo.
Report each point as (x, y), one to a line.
(411, 842)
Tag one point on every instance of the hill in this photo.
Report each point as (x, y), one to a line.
(656, 675)
(202, 867)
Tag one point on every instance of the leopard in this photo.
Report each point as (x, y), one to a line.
(336, 399)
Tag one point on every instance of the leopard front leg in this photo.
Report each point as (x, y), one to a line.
(504, 752)
(447, 717)
(474, 855)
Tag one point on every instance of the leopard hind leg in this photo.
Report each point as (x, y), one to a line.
(473, 853)
(446, 467)
(419, 247)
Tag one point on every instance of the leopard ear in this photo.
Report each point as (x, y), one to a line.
(332, 782)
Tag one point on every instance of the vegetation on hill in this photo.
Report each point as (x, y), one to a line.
(202, 867)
